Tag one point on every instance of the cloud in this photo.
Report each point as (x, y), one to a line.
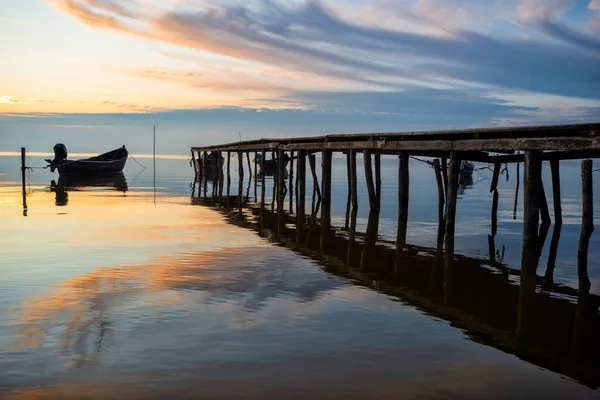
(11, 100)
(309, 37)
(594, 5)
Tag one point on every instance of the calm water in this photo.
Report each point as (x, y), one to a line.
(127, 290)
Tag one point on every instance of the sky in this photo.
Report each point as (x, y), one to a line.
(92, 71)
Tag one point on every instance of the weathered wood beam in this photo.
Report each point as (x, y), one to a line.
(510, 133)
(490, 145)
(280, 190)
(326, 198)
(301, 195)
(451, 198)
(587, 222)
(556, 198)
(403, 200)
(532, 184)
(354, 201)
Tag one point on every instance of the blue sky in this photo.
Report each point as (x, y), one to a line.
(206, 70)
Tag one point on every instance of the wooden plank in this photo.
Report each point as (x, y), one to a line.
(547, 131)
(491, 145)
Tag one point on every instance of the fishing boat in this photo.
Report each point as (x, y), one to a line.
(111, 162)
(210, 164)
(268, 167)
(466, 168)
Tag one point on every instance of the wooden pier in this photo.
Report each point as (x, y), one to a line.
(446, 151)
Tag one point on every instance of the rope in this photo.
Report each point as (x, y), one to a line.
(137, 162)
(430, 163)
(596, 170)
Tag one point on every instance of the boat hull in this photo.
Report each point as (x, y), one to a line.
(112, 162)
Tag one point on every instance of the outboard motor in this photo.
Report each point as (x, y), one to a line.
(60, 155)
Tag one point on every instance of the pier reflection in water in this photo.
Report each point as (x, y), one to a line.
(550, 325)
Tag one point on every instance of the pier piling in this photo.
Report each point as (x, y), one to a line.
(24, 189)
(556, 194)
(587, 221)
(301, 195)
(280, 190)
(403, 197)
(354, 201)
(326, 197)
(451, 197)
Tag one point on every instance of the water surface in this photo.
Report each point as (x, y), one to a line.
(145, 290)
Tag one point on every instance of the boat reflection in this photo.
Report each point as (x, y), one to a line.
(67, 184)
(554, 328)
(464, 183)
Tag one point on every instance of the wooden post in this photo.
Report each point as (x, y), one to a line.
(249, 166)
(228, 181)
(373, 221)
(440, 187)
(221, 179)
(297, 182)
(262, 189)
(326, 197)
(241, 181)
(495, 213)
(556, 199)
(445, 174)
(215, 188)
(280, 190)
(378, 180)
(451, 197)
(532, 184)
(349, 199)
(316, 198)
(544, 211)
(195, 166)
(274, 195)
(495, 176)
(581, 336)
(354, 196)
(23, 168)
(494, 190)
(291, 182)
(517, 190)
(369, 180)
(301, 194)
(587, 222)
(255, 177)
(532, 194)
(403, 197)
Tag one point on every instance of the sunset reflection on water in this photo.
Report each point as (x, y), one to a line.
(114, 295)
